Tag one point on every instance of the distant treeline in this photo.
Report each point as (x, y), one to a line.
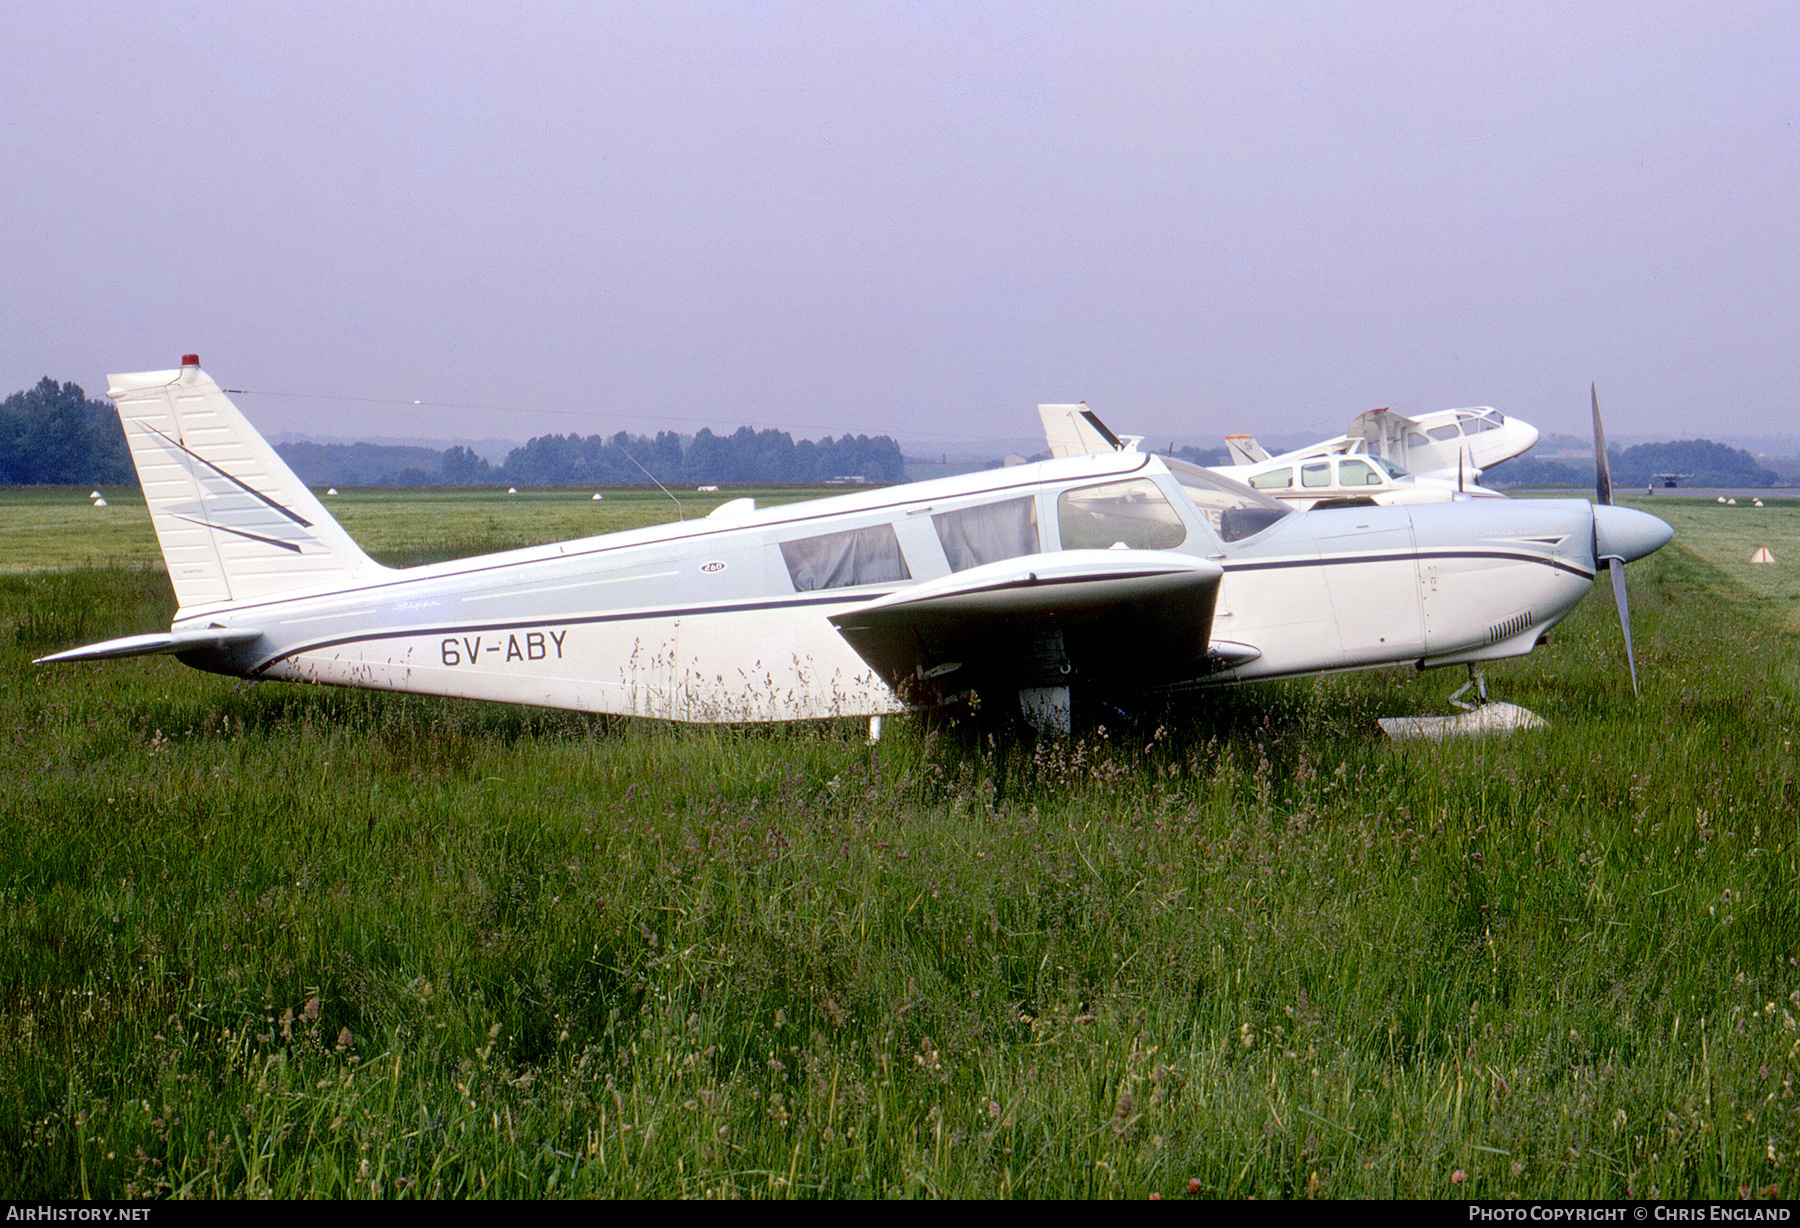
(746, 456)
(52, 435)
(1708, 463)
(1209, 458)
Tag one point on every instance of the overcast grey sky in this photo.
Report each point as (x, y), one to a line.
(914, 219)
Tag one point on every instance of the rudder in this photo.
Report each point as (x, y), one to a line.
(234, 522)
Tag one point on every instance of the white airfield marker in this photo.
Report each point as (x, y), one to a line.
(1489, 718)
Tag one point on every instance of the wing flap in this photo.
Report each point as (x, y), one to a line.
(1118, 619)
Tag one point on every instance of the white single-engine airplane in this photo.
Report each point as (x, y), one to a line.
(1108, 575)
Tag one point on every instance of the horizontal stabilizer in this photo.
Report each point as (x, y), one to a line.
(166, 642)
(1126, 618)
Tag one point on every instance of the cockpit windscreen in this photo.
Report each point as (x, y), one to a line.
(1231, 508)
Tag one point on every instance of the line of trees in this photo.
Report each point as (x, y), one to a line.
(744, 456)
(1707, 463)
(53, 435)
(622, 459)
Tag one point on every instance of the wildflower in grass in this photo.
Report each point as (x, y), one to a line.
(1458, 1177)
(1123, 1114)
(927, 1057)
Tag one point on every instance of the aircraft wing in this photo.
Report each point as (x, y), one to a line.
(167, 642)
(1122, 619)
(1076, 430)
(1378, 424)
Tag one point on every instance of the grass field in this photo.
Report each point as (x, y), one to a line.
(1726, 537)
(296, 941)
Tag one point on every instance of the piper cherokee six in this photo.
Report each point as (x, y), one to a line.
(1105, 575)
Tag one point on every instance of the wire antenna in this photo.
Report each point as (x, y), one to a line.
(634, 460)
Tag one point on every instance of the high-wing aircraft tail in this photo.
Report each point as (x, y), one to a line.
(233, 520)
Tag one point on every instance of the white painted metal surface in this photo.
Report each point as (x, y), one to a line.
(856, 605)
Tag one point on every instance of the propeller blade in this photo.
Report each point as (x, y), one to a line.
(1602, 469)
(1617, 567)
(1624, 534)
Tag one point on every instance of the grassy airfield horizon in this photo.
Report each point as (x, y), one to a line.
(289, 940)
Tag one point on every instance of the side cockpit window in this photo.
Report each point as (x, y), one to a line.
(841, 560)
(1135, 514)
(988, 532)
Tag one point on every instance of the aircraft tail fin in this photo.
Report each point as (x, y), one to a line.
(233, 521)
(1245, 450)
(1076, 430)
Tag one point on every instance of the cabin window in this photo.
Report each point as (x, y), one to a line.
(988, 532)
(1135, 514)
(1316, 475)
(841, 560)
(1275, 479)
(1415, 440)
(1357, 473)
(1448, 431)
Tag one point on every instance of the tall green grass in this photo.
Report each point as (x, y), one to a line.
(304, 942)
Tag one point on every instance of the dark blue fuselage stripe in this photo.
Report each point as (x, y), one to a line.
(671, 612)
(859, 598)
(1414, 556)
(577, 621)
